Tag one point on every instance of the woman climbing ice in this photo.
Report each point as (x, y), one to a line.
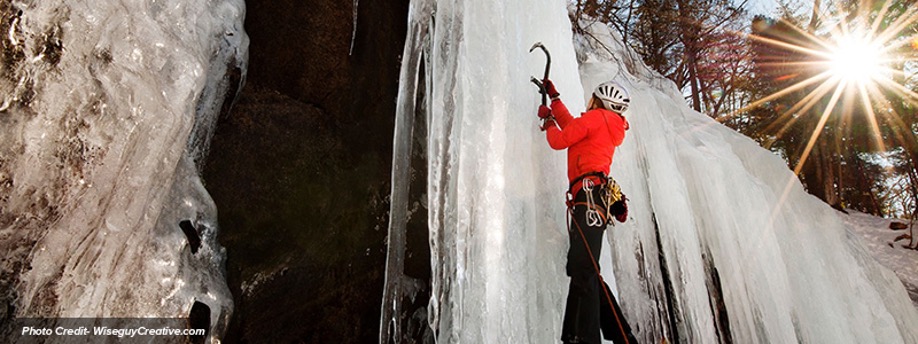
(592, 199)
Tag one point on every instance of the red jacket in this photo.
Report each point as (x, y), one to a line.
(590, 139)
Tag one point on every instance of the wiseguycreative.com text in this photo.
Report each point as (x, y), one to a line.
(105, 331)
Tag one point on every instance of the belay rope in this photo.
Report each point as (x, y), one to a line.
(612, 194)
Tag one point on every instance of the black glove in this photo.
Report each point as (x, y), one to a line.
(619, 209)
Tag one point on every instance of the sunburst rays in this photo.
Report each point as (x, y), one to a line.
(852, 63)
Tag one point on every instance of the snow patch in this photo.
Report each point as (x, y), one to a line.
(879, 238)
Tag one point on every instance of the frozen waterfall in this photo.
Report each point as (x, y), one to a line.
(723, 244)
(107, 108)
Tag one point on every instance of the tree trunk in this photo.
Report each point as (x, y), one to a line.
(690, 43)
(830, 187)
(814, 20)
(693, 78)
(913, 176)
(627, 27)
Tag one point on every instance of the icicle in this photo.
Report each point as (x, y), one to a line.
(354, 30)
(401, 179)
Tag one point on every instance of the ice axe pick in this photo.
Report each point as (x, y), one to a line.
(537, 82)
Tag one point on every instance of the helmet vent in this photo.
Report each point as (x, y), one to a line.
(613, 96)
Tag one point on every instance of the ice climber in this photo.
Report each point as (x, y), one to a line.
(593, 198)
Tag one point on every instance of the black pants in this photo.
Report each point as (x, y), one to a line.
(588, 308)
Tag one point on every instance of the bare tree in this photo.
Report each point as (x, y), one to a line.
(686, 41)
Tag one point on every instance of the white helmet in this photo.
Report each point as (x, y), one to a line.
(613, 96)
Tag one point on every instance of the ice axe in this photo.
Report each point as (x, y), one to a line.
(537, 82)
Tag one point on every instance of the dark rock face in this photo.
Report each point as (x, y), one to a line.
(300, 171)
(897, 225)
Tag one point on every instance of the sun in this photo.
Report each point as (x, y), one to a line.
(851, 69)
(856, 59)
(846, 68)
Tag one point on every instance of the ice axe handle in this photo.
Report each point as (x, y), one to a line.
(547, 69)
(541, 88)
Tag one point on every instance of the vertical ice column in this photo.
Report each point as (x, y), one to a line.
(496, 191)
(395, 287)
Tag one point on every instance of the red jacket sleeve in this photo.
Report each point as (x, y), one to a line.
(572, 133)
(562, 115)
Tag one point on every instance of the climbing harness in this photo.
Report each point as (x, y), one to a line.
(593, 217)
(611, 192)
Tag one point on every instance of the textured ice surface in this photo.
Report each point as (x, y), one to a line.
(722, 241)
(106, 107)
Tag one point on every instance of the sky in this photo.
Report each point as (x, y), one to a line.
(762, 6)
(768, 6)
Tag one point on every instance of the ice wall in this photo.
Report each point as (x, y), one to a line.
(496, 190)
(722, 245)
(106, 106)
